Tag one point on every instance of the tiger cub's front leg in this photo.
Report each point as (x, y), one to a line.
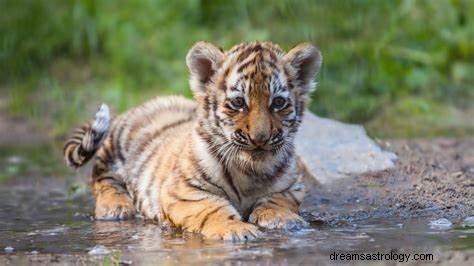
(279, 210)
(199, 211)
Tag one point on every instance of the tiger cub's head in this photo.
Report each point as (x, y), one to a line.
(251, 97)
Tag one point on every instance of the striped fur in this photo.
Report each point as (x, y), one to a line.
(219, 166)
(85, 140)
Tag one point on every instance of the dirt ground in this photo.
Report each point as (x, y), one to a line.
(432, 178)
(17, 131)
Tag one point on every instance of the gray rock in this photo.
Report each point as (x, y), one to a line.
(468, 222)
(99, 250)
(333, 150)
(441, 224)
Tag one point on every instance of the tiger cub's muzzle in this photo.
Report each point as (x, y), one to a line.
(260, 142)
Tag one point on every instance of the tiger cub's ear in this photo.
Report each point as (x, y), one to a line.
(305, 59)
(203, 60)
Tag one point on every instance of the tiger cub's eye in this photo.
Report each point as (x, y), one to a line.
(278, 103)
(237, 103)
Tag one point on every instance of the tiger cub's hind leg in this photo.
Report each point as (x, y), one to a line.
(112, 200)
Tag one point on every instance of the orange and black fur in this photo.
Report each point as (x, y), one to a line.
(223, 165)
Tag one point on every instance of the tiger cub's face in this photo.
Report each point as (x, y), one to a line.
(252, 97)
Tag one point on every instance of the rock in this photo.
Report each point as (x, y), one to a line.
(441, 224)
(99, 250)
(333, 150)
(15, 159)
(468, 221)
(9, 249)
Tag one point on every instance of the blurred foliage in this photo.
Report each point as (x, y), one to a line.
(418, 117)
(60, 58)
(22, 161)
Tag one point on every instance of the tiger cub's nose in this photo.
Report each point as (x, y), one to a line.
(260, 138)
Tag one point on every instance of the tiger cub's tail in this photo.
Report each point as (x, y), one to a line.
(86, 140)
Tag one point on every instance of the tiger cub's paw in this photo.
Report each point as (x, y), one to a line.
(231, 231)
(277, 219)
(114, 208)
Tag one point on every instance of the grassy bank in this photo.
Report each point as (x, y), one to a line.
(404, 68)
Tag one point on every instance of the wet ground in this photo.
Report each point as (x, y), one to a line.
(45, 216)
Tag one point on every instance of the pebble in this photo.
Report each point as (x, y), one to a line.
(441, 224)
(9, 249)
(468, 221)
(14, 160)
(99, 250)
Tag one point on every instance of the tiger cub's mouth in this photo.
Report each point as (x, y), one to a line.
(262, 153)
(243, 143)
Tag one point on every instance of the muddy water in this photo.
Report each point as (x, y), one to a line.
(48, 219)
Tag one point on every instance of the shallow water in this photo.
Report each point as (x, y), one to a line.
(52, 215)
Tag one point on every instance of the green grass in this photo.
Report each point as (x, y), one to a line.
(59, 59)
(418, 117)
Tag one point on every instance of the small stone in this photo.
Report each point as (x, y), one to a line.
(9, 249)
(441, 224)
(468, 221)
(14, 160)
(99, 250)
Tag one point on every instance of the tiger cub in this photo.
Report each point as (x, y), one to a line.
(222, 165)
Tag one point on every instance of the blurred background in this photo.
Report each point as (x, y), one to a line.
(402, 68)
